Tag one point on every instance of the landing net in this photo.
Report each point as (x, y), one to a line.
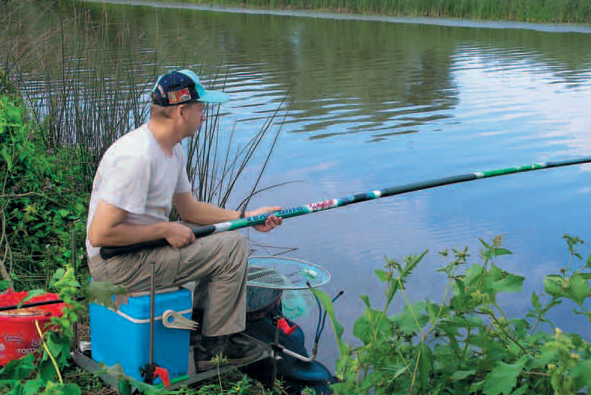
(285, 273)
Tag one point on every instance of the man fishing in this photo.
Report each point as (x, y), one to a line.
(140, 177)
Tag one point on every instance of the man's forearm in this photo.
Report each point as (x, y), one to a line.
(206, 214)
(126, 234)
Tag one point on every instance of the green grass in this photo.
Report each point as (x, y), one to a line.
(546, 11)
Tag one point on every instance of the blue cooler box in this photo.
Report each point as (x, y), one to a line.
(123, 336)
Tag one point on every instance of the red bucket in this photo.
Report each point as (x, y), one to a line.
(18, 334)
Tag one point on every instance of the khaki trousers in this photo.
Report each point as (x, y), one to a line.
(218, 262)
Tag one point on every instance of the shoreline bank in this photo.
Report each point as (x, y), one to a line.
(583, 28)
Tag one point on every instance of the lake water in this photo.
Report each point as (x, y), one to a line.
(371, 104)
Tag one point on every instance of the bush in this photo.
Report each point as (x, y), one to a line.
(43, 192)
(466, 344)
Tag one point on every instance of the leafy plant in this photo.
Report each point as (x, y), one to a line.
(466, 344)
(43, 194)
(27, 376)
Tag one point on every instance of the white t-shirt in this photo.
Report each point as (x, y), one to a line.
(137, 176)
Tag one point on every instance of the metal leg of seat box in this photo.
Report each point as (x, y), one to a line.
(148, 370)
(74, 340)
(152, 308)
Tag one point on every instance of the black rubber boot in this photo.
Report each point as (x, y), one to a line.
(235, 349)
(197, 316)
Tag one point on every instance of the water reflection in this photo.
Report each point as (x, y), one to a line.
(379, 80)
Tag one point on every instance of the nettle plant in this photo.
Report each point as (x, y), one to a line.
(466, 344)
(43, 375)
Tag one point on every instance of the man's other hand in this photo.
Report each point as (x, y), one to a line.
(270, 223)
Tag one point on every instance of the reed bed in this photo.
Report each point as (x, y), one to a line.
(546, 11)
(87, 83)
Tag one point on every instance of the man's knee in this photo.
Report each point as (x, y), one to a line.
(235, 238)
(238, 249)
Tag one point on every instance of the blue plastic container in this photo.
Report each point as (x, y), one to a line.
(123, 336)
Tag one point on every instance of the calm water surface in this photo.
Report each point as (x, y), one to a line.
(371, 104)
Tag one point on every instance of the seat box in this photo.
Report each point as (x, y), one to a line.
(123, 336)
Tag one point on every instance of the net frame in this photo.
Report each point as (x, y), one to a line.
(282, 273)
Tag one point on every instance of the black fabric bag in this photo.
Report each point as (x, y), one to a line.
(295, 374)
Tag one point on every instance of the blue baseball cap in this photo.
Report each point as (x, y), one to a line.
(183, 86)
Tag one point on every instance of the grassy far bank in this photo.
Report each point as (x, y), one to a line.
(540, 11)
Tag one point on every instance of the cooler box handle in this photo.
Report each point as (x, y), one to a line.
(174, 320)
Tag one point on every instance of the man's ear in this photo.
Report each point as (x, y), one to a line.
(180, 110)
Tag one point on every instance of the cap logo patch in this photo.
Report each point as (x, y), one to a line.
(179, 96)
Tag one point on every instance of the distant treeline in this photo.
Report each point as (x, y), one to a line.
(550, 11)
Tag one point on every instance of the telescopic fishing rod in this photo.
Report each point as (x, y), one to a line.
(32, 304)
(108, 252)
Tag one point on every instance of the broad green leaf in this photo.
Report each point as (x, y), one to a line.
(581, 374)
(535, 302)
(32, 387)
(326, 302)
(521, 390)
(476, 388)
(59, 347)
(61, 389)
(425, 365)
(462, 303)
(521, 326)
(493, 274)
(362, 328)
(102, 292)
(381, 324)
(117, 372)
(458, 287)
(550, 353)
(578, 288)
(366, 301)
(399, 372)
(472, 273)
(462, 321)
(484, 244)
(502, 251)
(462, 374)
(508, 283)
(46, 370)
(432, 310)
(407, 320)
(503, 378)
(373, 325)
(382, 275)
(31, 294)
(338, 388)
(555, 285)
(7, 159)
(57, 276)
(18, 369)
(372, 380)
(124, 387)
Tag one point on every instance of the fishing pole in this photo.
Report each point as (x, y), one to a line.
(32, 304)
(108, 252)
